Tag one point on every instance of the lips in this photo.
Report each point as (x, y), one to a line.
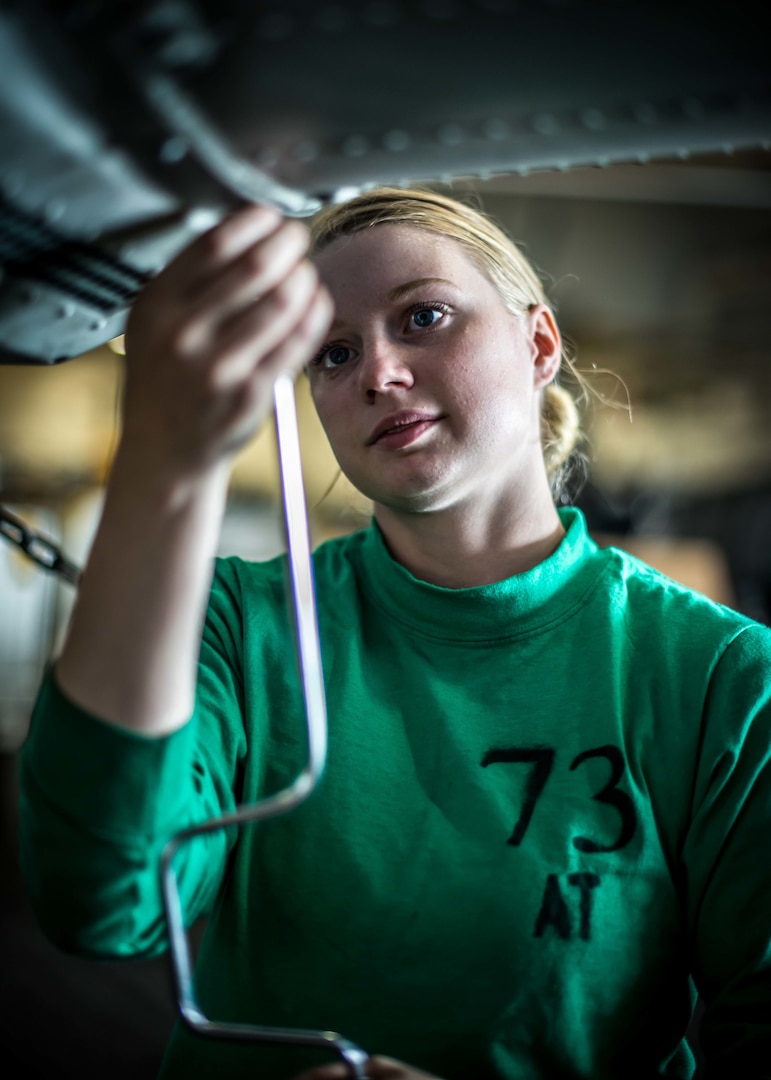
(401, 424)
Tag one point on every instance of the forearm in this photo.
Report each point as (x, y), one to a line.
(131, 650)
(205, 342)
(97, 806)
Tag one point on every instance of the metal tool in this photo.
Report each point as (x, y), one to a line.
(309, 656)
(47, 555)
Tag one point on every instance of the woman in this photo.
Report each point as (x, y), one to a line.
(547, 799)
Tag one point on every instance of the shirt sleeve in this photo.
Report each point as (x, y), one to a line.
(727, 856)
(98, 803)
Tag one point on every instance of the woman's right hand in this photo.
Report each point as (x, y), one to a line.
(207, 338)
(205, 341)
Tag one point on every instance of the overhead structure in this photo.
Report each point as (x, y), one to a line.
(128, 127)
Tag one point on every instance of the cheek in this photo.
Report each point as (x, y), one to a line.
(333, 417)
(500, 404)
(488, 382)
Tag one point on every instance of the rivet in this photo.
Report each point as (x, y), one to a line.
(332, 20)
(65, 310)
(646, 113)
(97, 324)
(355, 146)
(201, 218)
(441, 10)
(173, 150)
(496, 129)
(396, 140)
(27, 296)
(276, 26)
(450, 134)
(54, 210)
(344, 194)
(545, 124)
(307, 150)
(593, 119)
(381, 14)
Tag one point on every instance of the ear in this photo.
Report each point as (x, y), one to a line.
(545, 343)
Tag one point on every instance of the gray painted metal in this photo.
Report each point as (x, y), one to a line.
(129, 127)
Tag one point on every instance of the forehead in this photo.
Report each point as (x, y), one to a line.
(383, 257)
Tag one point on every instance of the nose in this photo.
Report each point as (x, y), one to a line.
(383, 367)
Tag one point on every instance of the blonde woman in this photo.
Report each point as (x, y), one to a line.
(545, 814)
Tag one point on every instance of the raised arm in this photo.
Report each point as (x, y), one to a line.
(99, 800)
(204, 343)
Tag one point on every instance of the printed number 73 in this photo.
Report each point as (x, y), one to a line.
(542, 760)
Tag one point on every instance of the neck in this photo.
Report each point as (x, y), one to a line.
(461, 547)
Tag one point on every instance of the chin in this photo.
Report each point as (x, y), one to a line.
(416, 499)
(415, 491)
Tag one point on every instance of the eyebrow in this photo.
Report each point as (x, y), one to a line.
(410, 286)
(400, 291)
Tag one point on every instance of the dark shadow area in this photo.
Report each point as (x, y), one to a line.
(737, 522)
(63, 1016)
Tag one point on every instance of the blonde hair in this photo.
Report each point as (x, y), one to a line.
(505, 267)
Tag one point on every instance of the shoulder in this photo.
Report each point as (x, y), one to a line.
(651, 602)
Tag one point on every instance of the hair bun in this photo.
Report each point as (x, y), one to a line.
(560, 428)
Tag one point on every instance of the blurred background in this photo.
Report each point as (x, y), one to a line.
(660, 276)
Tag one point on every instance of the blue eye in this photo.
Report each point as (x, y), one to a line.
(425, 317)
(331, 357)
(337, 355)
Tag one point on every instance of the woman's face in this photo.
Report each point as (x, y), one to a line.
(428, 387)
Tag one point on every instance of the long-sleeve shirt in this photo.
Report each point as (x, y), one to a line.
(545, 818)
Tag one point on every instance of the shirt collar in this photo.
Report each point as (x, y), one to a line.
(504, 609)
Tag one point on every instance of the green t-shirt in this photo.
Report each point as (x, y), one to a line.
(546, 807)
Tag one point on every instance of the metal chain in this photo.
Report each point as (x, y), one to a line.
(36, 547)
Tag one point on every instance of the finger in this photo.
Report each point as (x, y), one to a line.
(260, 329)
(338, 1071)
(256, 270)
(377, 1068)
(230, 416)
(252, 402)
(383, 1068)
(261, 269)
(296, 349)
(380, 1068)
(219, 246)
